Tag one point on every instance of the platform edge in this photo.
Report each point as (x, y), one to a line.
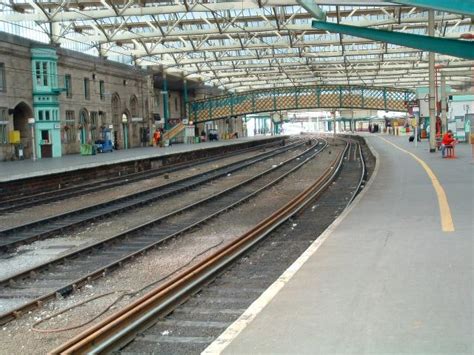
(224, 340)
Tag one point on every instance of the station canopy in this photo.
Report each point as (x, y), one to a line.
(245, 45)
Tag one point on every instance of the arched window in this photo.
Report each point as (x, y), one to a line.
(134, 106)
(116, 119)
(147, 111)
(83, 117)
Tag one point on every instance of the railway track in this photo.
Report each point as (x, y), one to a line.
(15, 204)
(53, 225)
(208, 297)
(61, 276)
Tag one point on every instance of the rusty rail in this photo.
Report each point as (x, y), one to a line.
(121, 327)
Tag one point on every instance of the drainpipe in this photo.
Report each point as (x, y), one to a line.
(31, 121)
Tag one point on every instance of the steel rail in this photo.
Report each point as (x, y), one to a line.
(77, 283)
(363, 175)
(50, 226)
(119, 328)
(89, 187)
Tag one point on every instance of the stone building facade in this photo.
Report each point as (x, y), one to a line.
(58, 99)
(92, 94)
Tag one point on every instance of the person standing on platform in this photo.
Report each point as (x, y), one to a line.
(156, 137)
(448, 140)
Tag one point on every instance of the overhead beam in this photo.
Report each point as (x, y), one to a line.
(452, 47)
(313, 9)
(464, 7)
(94, 13)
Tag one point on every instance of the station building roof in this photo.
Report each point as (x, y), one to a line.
(249, 44)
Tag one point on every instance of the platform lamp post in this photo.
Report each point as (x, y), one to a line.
(31, 122)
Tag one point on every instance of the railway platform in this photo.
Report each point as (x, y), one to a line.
(393, 274)
(15, 170)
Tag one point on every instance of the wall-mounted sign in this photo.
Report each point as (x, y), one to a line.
(137, 119)
(31, 120)
(57, 126)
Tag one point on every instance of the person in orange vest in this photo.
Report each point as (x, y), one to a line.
(156, 137)
(448, 140)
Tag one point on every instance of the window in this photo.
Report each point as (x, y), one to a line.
(156, 103)
(45, 73)
(3, 86)
(87, 91)
(40, 115)
(115, 109)
(68, 84)
(102, 89)
(70, 127)
(45, 136)
(3, 125)
(38, 73)
(134, 106)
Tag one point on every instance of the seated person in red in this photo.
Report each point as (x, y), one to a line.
(448, 140)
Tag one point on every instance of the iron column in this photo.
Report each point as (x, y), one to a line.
(444, 123)
(431, 69)
(185, 96)
(165, 101)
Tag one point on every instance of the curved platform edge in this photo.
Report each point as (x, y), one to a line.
(218, 345)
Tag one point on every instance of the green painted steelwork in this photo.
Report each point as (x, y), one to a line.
(185, 95)
(313, 9)
(303, 97)
(166, 108)
(452, 47)
(465, 7)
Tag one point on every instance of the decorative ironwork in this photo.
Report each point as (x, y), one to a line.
(304, 97)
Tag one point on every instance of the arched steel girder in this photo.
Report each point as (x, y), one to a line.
(303, 97)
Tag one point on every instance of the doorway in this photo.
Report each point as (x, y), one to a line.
(21, 113)
(83, 122)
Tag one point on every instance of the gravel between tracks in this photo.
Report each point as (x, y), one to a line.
(156, 264)
(41, 251)
(16, 218)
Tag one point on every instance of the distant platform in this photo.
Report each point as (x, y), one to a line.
(22, 169)
(392, 275)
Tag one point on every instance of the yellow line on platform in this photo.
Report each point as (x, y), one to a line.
(447, 224)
